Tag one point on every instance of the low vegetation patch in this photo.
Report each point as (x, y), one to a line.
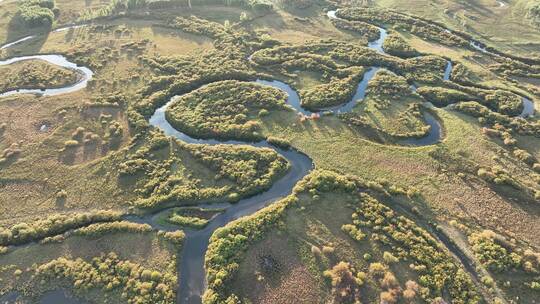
(100, 229)
(192, 217)
(108, 272)
(57, 224)
(165, 172)
(35, 74)
(225, 110)
(334, 93)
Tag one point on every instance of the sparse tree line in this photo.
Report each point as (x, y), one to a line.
(110, 137)
(119, 7)
(22, 233)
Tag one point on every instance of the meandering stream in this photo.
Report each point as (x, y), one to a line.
(85, 75)
(191, 268)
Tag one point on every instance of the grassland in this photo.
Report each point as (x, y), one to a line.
(60, 258)
(502, 26)
(361, 217)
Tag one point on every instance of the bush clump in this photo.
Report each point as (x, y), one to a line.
(279, 142)
(176, 237)
(487, 247)
(100, 229)
(187, 221)
(345, 285)
(36, 13)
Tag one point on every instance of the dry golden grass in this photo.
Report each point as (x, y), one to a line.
(292, 283)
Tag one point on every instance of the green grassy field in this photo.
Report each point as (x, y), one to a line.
(362, 217)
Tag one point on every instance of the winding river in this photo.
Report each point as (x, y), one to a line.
(85, 75)
(191, 268)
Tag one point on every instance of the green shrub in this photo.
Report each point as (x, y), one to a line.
(36, 13)
(71, 144)
(175, 237)
(389, 258)
(524, 156)
(353, 232)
